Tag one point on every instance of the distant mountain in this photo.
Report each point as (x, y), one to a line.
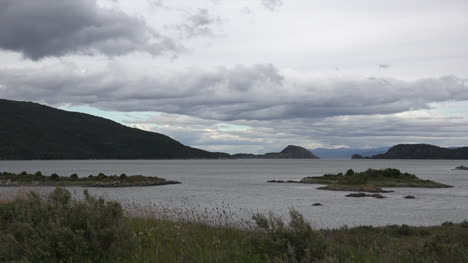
(33, 131)
(290, 152)
(346, 153)
(423, 151)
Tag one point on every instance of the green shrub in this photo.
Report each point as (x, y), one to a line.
(448, 247)
(294, 242)
(54, 177)
(353, 179)
(58, 228)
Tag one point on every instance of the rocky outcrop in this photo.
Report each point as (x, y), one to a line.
(357, 156)
(378, 196)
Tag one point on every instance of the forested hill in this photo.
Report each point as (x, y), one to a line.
(423, 151)
(33, 131)
(290, 152)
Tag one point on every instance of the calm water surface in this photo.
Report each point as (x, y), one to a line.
(242, 185)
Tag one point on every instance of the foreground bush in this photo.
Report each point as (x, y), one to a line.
(58, 228)
(292, 242)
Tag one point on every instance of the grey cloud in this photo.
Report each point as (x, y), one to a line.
(272, 4)
(199, 23)
(353, 131)
(158, 4)
(246, 11)
(258, 92)
(44, 28)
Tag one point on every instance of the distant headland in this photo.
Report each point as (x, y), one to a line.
(290, 152)
(420, 151)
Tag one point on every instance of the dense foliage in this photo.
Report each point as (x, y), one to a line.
(33, 131)
(60, 229)
(351, 177)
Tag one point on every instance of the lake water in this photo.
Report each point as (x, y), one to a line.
(241, 185)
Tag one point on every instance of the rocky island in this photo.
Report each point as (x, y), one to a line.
(463, 168)
(290, 152)
(369, 181)
(101, 180)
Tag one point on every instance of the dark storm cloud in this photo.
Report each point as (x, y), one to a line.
(44, 28)
(258, 92)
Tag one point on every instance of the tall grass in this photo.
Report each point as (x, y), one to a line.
(56, 227)
(222, 215)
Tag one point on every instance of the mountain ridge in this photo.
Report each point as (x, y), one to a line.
(32, 131)
(421, 151)
(346, 153)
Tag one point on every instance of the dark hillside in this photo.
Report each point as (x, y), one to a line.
(33, 131)
(423, 151)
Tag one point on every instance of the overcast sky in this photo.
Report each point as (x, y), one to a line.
(248, 75)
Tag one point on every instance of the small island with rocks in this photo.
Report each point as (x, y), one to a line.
(101, 180)
(370, 181)
(462, 168)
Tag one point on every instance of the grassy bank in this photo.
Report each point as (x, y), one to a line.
(57, 228)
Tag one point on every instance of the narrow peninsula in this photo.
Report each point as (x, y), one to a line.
(101, 180)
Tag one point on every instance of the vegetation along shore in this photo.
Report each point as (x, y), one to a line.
(101, 180)
(59, 228)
